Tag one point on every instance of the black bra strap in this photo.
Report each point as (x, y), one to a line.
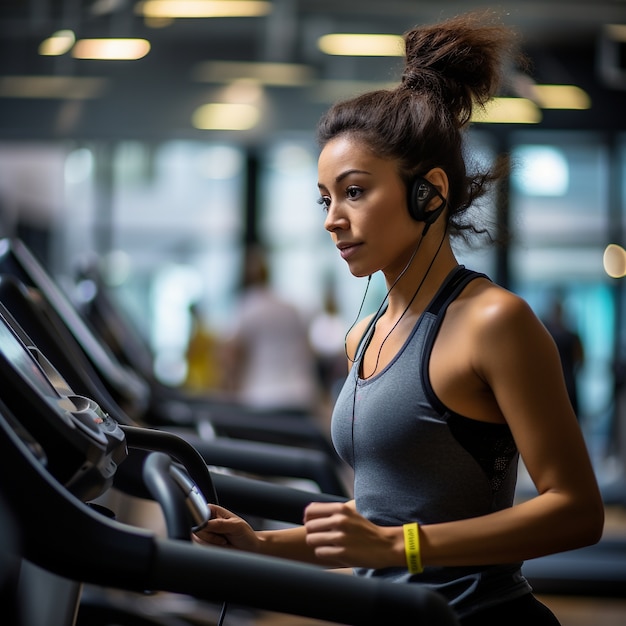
(452, 288)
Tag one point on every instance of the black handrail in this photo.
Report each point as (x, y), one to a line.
(65, 536)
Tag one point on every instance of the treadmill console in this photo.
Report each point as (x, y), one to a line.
(80, 444)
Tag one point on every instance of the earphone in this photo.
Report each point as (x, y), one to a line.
(420, 193)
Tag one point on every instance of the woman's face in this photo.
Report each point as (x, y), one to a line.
(367, 214)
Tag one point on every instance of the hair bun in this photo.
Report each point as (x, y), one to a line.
(459, 61)
(420, 80)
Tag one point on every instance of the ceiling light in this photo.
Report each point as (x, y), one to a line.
(508, 111)
(561, 97)
(202, 8)
(345, 44)
(158, 22)
(63, 87)
(111, 49)
(242, 91)
(276, 74)
(225, 116)
(57, 44)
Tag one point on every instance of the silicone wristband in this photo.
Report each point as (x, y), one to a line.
(412, 548)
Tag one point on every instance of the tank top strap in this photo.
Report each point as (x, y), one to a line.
(453, 286)
(455, 283)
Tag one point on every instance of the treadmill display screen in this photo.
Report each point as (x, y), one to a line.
(21, 360)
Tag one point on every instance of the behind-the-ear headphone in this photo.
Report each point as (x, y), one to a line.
(421, 192)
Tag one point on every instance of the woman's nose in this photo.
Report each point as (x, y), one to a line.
(334, 219)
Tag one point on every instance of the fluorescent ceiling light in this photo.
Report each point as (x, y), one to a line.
(277, 74)
(346, 44)
(202, 8)
(57, 44)
(508, 111)
(63, 87)
(111, 49)
(241, 91)
(561, 97)
(223, 116)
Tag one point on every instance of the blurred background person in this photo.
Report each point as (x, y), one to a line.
(569, 345)
(327, 332)
(202, 355)
(269, 363)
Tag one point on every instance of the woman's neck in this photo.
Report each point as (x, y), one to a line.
(421, 281)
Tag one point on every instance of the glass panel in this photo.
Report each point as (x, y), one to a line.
(560, 221)
(291, 223)
(559, 199)
(177, 222)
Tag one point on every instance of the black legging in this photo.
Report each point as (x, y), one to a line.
(523, 611)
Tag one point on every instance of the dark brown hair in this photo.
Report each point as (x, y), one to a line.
(451, 68)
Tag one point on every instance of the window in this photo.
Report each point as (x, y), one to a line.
(560, 222)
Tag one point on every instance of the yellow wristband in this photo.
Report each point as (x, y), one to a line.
(412, 548)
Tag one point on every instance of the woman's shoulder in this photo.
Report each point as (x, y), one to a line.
(490, 309)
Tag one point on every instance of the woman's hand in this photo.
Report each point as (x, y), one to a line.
(227, 530)
(340, 535)
(333, 534)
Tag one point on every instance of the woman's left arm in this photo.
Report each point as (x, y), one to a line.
(518, 361)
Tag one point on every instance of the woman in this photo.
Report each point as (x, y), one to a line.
(453, 377)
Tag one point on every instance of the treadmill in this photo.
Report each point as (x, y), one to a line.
(56, 327)
(59, 452)
(130, 380)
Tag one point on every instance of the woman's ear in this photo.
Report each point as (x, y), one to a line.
(439, 179)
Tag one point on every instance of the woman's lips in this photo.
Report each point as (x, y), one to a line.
(347, 250)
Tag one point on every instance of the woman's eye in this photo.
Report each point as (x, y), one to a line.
(324, 201)
(353, 192)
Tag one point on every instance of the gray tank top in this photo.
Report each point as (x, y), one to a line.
(415, 460)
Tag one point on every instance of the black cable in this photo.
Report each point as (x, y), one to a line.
(356, 319)
(368, 339)
(375, 315)
(366, 344)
